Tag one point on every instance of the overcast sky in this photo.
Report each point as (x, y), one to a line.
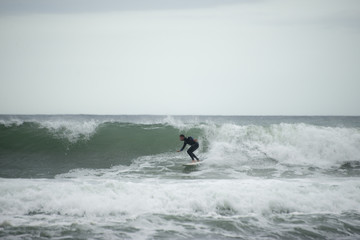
(212, 57)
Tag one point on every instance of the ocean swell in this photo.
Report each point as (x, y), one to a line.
(46, 147)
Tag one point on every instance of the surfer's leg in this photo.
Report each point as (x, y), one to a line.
(195, 146)
(191, 150)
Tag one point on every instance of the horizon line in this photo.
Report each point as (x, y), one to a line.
(179, 115)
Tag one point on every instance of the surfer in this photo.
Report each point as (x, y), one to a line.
(193, 146)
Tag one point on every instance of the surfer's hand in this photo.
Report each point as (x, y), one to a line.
(178, 150)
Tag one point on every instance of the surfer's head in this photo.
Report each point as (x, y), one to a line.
(182, 137)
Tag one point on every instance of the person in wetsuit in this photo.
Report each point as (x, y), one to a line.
(193, 146)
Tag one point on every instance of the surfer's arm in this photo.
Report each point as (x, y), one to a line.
(183, 147)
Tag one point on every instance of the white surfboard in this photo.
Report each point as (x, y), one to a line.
(192, 164)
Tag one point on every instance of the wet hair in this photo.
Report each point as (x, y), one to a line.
(182, 135)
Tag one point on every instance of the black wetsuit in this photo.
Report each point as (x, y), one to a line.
(194, 145)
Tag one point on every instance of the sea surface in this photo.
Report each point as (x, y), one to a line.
(120, 177)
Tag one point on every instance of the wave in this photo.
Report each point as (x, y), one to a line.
(46, 147)
(215, 209)
(33, 147)
(197, 197)
(296, 144)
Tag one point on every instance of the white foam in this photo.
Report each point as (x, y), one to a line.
(179, 124)
(71, 130)
(199, 197)
(11, 122)
(298, 144)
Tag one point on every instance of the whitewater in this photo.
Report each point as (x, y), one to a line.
(120, 177)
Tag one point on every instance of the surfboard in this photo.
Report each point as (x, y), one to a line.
(191, 164)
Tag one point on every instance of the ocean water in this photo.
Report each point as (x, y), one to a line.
(120, 177)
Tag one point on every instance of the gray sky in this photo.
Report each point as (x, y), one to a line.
(216, 57)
